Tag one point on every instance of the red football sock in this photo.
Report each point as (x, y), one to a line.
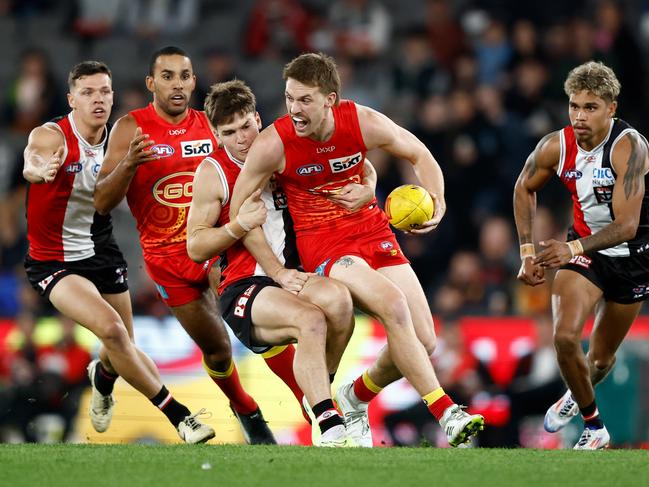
(365, 388)
(437, 402)
(228, 382)
(280, 360)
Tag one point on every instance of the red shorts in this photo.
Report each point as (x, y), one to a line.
(179, 279)
(370, 239)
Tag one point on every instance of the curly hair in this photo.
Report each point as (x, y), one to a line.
(594, 77)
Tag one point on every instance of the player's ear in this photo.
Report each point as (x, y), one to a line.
(331, 99)
(149, 83)
(70, 100)
(258, 120)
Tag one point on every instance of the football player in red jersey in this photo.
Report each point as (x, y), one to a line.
(316, 151)
(73, 258)
(258, 310)
(151, 158)
(604, 265)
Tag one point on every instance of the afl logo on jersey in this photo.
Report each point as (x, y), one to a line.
(572, 174)
(343, 163)
(309, 169)
(163, 150)
(195, 148)
(74, 168)
(175, 190)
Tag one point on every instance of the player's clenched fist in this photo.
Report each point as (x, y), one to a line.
(139, 150)
(252, 212)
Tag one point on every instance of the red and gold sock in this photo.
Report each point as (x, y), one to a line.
(365, 388)
(228, 382)
(280, 361)
(437, 402)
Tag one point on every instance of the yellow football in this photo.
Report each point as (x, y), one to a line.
(409, 206)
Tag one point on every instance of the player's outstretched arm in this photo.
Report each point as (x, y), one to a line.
(355, 196)
(266, 156)
(381, 132)
(128, 147)
(204, 239)
(630, 161)
(541, 164)
(43, 155)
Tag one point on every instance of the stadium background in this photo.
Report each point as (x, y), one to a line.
(478, 81)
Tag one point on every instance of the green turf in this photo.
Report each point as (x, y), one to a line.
(237, 466)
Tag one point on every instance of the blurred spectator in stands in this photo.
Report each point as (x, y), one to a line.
(618, 48)
(277, 29)
(415, 73)
(445, 34)
(47, 378)
(465, 73)
(217, 66)
(33, 96)
(526, 98)
(500, 263)
(525, 44)
(462, 290)
(93, 20)
(150, 19)
(361, 28)
(493, 52)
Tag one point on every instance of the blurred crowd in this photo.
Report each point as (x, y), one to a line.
(478, 81)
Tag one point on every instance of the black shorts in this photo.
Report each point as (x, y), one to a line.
(623, 280)
(236, 305)
(106, 270)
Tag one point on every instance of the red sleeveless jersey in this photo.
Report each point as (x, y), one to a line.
(62, 224)
(315, 169)
(237, 263)
(161, 191)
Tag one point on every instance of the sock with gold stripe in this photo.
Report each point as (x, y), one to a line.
(280, 360)
(228, 381)
(437, 402)
(365, 389)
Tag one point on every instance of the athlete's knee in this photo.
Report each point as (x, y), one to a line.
(392, 308)
(429, 342)
(566, 341)
(335, 300)
(310, 323)
(113, 333)
(601, 360)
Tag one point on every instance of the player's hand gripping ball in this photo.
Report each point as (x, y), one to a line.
(409, 206)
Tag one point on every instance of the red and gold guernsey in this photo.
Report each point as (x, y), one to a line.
(161, 191)
(315, 169)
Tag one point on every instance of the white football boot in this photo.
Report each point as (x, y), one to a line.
(355, 415)
(101, 407)
(593, 439)
(192, 431)
(459, 425)
(560, 413)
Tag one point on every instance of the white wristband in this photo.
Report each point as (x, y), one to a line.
(576, 248)
(242, 225)
(527, 250)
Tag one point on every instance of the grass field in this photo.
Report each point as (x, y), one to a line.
(238, 466)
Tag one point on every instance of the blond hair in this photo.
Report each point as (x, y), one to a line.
(594, 77)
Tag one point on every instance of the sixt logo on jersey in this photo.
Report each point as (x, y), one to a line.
(175, 190)
(163, 150)
(343, 163)
(73, 168)
(194, 148)
(572, 174)
(309, 169)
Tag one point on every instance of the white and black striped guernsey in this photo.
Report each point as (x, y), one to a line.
(62, 224)
(590, 177)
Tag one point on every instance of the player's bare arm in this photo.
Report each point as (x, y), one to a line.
(355, 196)
(43, 155)
(630, 161)
(539, 168)
(128, 147)
(204, 239)
(266, 156)
(381, 132)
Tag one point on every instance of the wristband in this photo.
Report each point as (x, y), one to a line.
(242, 225)
(576, 248)
(230, 232)
(527, 250)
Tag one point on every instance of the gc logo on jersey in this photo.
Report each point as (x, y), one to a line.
(174, 190)
(343, 163)
(194, 148)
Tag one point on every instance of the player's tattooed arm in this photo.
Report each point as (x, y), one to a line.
(630, 161)
(345, 261)
(539, 167)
